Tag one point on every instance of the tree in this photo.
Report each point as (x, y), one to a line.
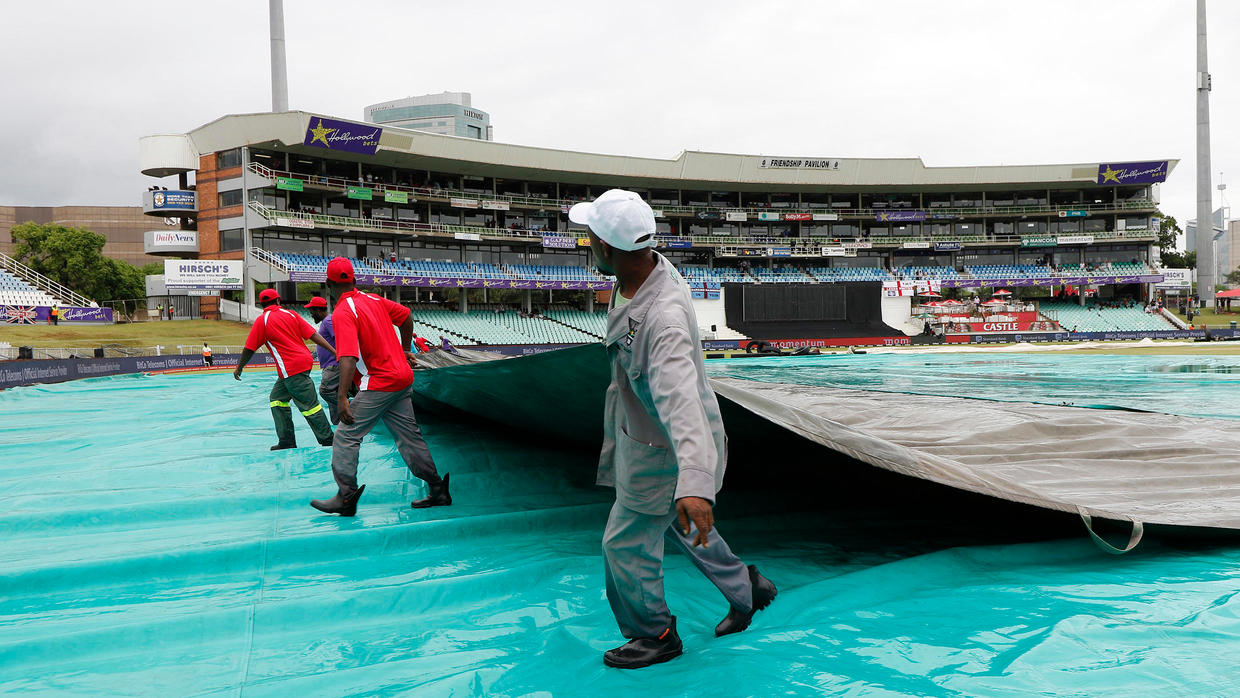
(1179, 260)
(1169, 232)
(73, 257)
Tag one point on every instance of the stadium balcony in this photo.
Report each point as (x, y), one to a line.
(931, 273)
(301, 220)
(1106, 269)
(782, 275)
(552, 272)
(846, 274)
(711, 210)
(695, 273)
(1010, 271)
(1095, 318)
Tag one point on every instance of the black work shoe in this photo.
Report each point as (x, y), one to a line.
(345, 506)
(328, 441)
(645, 651)
(281, 446)
(763, 594)
(438, 496)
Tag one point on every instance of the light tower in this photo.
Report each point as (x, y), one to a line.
(1205, 229)
(279, 70)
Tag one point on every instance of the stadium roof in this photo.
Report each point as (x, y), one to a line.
(170, 154)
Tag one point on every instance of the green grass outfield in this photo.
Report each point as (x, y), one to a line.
(139, 334)
(1209, 318)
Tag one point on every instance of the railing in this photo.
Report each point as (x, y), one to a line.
(751, 212)
(270, 258)
(44, 284)
(312, 220)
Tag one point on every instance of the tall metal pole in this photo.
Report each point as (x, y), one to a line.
(246, 239)
(1205, 218)
(279, 71)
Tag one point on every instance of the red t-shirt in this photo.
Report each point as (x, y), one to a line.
(285, 334)
(364, 330)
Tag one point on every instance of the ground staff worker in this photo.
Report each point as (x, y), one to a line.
(285, 334)
(329, 383)
(664, 447)
(363, 324)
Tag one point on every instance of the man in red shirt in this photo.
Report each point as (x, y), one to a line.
(285, 333)
(363, 324)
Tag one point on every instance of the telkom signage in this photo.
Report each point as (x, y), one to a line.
(203, 273)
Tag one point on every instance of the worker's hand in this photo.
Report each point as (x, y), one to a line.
(237, 373)
(699, 511)
(342, 409)
(412, 359)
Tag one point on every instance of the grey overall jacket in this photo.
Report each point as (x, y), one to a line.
(663, 436)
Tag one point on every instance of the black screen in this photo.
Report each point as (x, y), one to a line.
(795, 303)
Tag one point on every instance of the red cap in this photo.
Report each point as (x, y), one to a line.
(268, 294)
(317, 302)
(340, 269)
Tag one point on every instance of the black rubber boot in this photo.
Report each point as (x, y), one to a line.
(281, 446)
(438, 496)
(345, 506)
(645, 651)
(763, 594)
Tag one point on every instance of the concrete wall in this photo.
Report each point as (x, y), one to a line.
(123, 226)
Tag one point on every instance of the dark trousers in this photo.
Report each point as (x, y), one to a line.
(396, 411)
(298, 389)
(329, 383)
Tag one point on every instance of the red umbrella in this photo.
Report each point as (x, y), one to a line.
(953, 302)
(931, 294)
(932, 304)
(1003, 292)
(995, 302)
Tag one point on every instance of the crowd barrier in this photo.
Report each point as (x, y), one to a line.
(39, 314)
(16, 373)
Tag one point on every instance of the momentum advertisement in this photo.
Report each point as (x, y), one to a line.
(203, 273)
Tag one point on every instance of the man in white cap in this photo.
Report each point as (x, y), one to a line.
(664, 448)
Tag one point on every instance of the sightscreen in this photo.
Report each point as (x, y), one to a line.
(795, 303)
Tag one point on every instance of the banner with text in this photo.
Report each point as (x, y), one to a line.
(39, 314)
(203, 273)
(900, 216)
(1133, 172)
(333, 134)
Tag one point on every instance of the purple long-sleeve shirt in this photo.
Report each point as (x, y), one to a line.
(326, 359)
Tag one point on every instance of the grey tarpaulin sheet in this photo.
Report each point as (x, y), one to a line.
(437, 358)
(1147, 467)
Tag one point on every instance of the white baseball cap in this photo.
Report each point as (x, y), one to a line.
(620, 218)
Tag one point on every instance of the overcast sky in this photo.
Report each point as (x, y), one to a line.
(952, 82)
